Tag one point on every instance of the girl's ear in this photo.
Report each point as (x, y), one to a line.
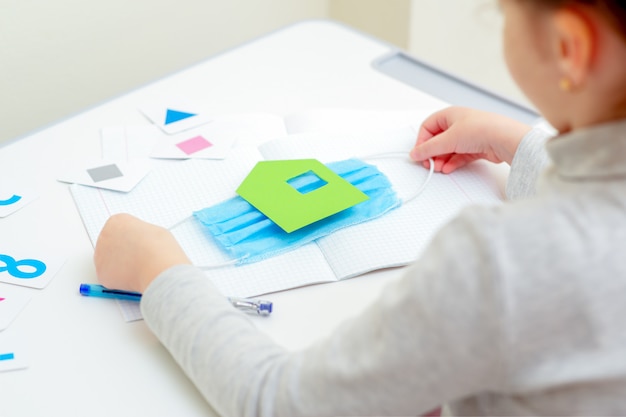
(573, 44)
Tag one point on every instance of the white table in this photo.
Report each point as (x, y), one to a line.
(84, 359)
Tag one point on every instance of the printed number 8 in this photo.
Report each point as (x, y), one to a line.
(13, 267)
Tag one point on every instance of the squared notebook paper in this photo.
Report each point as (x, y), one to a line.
(170, 193)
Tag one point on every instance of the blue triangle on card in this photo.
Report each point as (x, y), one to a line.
(174, 116)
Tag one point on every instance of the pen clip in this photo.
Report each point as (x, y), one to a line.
(260, 307)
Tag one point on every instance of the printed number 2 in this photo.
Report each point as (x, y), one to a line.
(10, 201)
(13, 267)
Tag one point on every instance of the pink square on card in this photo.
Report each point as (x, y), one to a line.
(193, 145)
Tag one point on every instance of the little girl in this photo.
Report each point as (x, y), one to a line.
(528, 321)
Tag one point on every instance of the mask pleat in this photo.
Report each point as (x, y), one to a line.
(234, 224)
(248, 231)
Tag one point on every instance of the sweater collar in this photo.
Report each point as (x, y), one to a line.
(594, 152)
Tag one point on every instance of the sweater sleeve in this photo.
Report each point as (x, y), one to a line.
(401, 357)
(529, 161)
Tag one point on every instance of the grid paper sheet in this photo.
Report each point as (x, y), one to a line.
(172, 191)
(169, 195)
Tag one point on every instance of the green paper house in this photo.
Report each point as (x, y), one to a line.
(295, 193)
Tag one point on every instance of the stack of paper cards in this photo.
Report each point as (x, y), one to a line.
(123, 167)
(24, 266)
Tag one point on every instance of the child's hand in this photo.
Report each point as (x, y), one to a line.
(456, 136)
(130, 253)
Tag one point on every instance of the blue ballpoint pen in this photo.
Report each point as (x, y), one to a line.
(247, 305)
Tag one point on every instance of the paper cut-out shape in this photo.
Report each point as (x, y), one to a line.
(193, 145)
(104, 173)
(173, 116)
(12, 200)
(296, 193)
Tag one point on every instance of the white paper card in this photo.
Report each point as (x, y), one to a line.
(13, 353)
(12, 302)
(174, 116)
(125, 143)
(134, 142)
(13, 197)
(27, 265)
(198, 143)
(110, 175)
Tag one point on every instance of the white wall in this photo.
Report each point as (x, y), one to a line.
(463, 37)
(460, 36)
(58, 57)
(388, 20)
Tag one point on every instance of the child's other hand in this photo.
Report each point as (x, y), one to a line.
(130, 253)
(456, 136)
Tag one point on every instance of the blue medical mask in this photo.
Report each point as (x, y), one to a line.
(247, 235)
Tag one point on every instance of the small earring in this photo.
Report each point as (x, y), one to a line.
(565, 84)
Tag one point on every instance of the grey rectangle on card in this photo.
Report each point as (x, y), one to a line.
(104, 173)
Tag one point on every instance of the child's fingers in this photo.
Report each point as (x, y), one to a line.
(433, 125)
(443, 144)
(457, 161)
(439, 162)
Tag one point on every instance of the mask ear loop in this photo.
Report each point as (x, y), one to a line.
(403, 154)
(179, 223)
(206, 267)
(222, 265)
